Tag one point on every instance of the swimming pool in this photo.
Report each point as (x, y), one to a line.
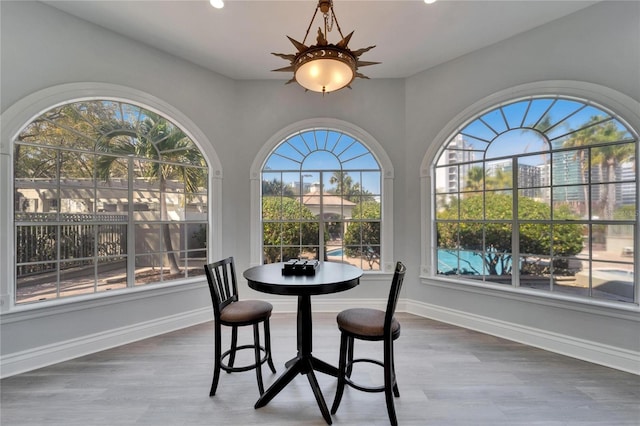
(470, 263)
(335, 252)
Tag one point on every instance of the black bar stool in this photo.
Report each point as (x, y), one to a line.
(373, 325)
(230, 311)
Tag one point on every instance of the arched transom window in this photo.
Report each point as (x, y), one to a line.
(321, 199)
(540, 193)
(107, 195)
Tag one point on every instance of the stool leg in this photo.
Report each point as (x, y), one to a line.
(396, 391)
(388, 380)
(256, 343)
(342, 367)
(267, 345)
(216, 359)
(350, 344)
(234, 345)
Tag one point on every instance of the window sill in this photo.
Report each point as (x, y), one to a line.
(613, 309)
(57, 306)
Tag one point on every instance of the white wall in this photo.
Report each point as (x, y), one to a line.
(42, 47)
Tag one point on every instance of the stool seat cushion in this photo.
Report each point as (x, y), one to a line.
(245, 311)
(365, 322)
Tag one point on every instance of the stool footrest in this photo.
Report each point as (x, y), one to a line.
(359, 386)
(229, 369)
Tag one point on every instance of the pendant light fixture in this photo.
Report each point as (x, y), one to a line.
(325, 67)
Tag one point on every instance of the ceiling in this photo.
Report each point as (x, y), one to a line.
(237, 41)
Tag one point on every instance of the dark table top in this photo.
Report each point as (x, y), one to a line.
(330, 277)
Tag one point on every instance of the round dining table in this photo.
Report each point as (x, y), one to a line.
(329, 277)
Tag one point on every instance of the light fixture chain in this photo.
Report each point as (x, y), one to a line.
(328, 28)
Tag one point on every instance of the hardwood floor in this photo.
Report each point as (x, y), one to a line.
(446, 375)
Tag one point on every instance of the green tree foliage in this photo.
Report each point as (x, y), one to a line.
(605, 158)
(494, 238)
(475, 179)
(364, 235)
(275, 187)
(347, 189)
(627, 212)
(500, 179)
(72, 126)
(153, 138)
(287, 226)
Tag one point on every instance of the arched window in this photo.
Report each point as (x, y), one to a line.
(322, 197)
(107, 195)
(539, 193)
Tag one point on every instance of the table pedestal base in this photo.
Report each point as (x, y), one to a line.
(303, 363)
(306, 366)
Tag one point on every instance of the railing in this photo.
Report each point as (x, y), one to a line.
(69, 217)
(40, 245)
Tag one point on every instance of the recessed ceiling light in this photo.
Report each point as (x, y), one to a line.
(218, 4)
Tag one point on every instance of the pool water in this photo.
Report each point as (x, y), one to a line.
(335, 252)
(471, 263)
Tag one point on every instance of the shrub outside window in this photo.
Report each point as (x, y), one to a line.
(321, 199)
(540, 193)
(107, 195)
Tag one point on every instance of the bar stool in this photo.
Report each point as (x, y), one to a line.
(373, 325)
(228, 310)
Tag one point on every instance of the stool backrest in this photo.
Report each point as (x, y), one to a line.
(223, 286)
(394, 293)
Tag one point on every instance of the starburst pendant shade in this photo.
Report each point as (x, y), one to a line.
(324, 67)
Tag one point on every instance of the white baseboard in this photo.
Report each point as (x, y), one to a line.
(585, 350)
(597, 353)
(20, 362)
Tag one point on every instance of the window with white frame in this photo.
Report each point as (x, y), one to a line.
(322, 198)
(540, 193)
(107, 195)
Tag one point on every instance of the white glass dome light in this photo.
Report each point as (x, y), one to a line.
(324, 74)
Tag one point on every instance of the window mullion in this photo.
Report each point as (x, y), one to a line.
(321, 254)
(131, 234)
(59, 220)
(96, 226)
(515, 231)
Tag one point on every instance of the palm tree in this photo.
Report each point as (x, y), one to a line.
(344, 183)
(475, 179)
(347, 189)
(605, 158)
(500, 179)
(154, 138)
(276, 187)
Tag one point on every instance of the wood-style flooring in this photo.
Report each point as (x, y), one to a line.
(447, 376)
